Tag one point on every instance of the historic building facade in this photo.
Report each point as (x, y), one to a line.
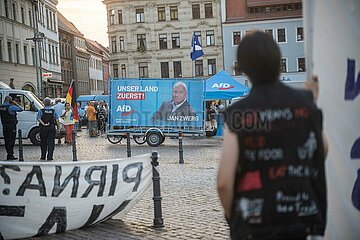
(66, 40)
(152, 39)
(49, 48)
(17, 55)
(282, 19)
(75, 58)
(95, 68)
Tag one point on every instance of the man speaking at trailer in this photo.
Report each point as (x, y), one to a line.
(178, 109)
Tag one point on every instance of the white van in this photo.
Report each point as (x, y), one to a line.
(26, 119)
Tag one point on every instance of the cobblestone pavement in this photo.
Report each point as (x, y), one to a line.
(190, 205)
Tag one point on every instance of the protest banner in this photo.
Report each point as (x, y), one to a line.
(38, 198)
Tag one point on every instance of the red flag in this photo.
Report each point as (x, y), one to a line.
(71, 98)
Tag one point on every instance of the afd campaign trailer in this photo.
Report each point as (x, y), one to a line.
(152, 109)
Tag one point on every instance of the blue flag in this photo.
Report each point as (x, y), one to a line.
(197, 50)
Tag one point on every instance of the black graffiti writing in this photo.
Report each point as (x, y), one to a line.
(58, 217)
(95, 213)
(12, 211)
(36, 170)
(73, 175)
(114, 179)
(130, 174)
(3, 174)
(135, 179)
(92, 183)
(116, 211)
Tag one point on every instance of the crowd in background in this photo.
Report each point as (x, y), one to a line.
(94, 116)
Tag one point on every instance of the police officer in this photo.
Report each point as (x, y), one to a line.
(8, 119)
(47, 118)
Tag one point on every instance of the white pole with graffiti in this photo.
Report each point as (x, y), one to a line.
(333, 48)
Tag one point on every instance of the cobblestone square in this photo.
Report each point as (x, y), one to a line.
(190, 205)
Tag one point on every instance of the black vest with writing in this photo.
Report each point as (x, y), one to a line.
(6, 117)
(279, 190)
(48, 116)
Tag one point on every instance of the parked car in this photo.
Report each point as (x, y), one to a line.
(27, 121)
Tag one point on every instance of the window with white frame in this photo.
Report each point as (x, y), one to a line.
(143, 70)
(210, 38)
(56, 55)
(123, 70)
(164, 69)
(1, 49)
(25, 55)
(163, 41)
(299, 34)
(6, 6)
(283, 65)
(120, 17)
(236, 38)
(281, 35)
(113, 44)
(53, 53)
(141, 41)
(54, 17)
(195, 11)
(22, 11)
(177, 69)
(140, 15)
(14, 9)
(198, 35)
(122, 44)
(51, 21)
(33, 56)
(173, 12)
(161, 14)
(116, 70)
(47, 18)
(208, 10)
(50, 54)
(301, 64)
(211, 67)
(30, 18)
(175, 39)
(112, 17)
(17, 52)
(199, 68)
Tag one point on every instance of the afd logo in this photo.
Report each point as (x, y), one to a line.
(125, 110)
(222, 86)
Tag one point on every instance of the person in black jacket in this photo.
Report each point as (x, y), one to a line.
(47, 118)
(9, 121)
(271, 177)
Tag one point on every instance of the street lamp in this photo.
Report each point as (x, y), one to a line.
(38, 37)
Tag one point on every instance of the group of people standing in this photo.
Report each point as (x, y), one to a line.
(66, 117)
(96, 114)
(213, 109)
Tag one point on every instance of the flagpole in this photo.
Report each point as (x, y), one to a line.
(192, 68)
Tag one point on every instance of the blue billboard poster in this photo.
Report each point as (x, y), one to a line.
(157, 103)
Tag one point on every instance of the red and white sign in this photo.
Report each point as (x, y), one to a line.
(47, 75)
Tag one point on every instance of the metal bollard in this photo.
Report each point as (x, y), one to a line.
(128, 146)
(21, 151)
(181, 150)
(158, 220)
(73, 134)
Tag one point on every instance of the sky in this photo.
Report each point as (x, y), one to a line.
(89, 17)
